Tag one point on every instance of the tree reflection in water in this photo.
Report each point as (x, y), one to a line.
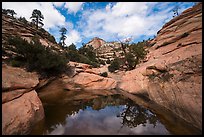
(134, 115)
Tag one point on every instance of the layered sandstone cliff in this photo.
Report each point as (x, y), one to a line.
(172, 76)
(105, 50)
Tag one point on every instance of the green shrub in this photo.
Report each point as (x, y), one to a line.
(94, 64)
(3, 51)
(42, 30)
(108, 61)
(115, 65)
(163, 44)
(89, 52)
(37, 57)
(76, 57)
(101, 61)
(104, 74)
(23, 20)
(40, 33)
(72, 47)
(165, 77)
(131, 60)
(136, 53)
(184, 35)
(152, 76)
(15, 63)
(51, 39)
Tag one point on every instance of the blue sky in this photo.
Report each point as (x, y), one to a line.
(107, 20)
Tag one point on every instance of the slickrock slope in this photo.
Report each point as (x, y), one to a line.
(172, 76)
(87, 78)
(92, 81)
(14, 27)
(21, 107)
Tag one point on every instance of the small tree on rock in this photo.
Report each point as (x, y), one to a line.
(9, 12)
(37, 17)
(176, 11)
(63, 31)
(4, 11)
(72, 47)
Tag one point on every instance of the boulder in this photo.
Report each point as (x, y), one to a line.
(17, 78)
(92, 81)
(16, 81)
(21, 107)
(19, 115)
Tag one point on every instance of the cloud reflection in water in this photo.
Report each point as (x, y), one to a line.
(104, 121)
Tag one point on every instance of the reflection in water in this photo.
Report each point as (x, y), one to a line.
(102, 115)
(135, 115)
(105, 121)
(104, 112)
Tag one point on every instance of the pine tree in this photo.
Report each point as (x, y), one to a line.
(63, 31)
(37, 17)
(9, 11)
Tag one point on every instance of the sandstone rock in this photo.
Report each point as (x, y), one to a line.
(8, 96)
(105, 50)
(21, 107)
(72, 87)
(78, 70)
(17, 78)
(178, 85)
(96, 42)
(16, 82)
(134, 81)
(92, 81)
(14, 27)
(79, 65)
(93, 71)
(19, 115)
(44, 82)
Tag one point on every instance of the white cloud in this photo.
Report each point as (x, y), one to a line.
(58, 4)
(73, 37)
(129, 8)
(116, 20)
(108, 7)
(52, 17)
(73, 7)
(125, 19)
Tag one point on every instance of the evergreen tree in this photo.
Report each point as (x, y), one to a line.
(9, 11)
(176, 11)
(4, 11)
(72, 47)
(63, 31)
(37, 17)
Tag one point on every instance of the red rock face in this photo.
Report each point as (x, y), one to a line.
(19, 115)
(172, 76)
(21, 107)
(92, 81)
(96, 42)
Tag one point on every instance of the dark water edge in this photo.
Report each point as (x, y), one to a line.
(104, 112)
